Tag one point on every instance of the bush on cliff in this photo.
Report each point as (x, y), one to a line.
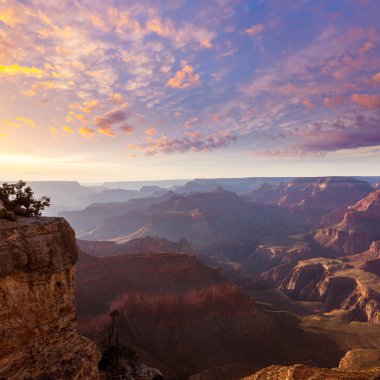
(18, 200)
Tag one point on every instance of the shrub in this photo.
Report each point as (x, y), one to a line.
(19, 200)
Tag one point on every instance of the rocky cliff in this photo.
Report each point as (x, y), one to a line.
(38, 337)
(182, 316)
(341, 284)
(303, 372)
(359, 226)
(322, 194)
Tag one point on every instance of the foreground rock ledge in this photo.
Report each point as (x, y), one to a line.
(38, 337)
(303, 372)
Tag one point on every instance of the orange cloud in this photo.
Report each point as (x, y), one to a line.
(216, 117)
(26, 121)
(68, 129)
(83, 118)
(86, 132)
(164, 29)
(185, 78)
(151, 131)
(366, 100)
(17, 69)
(376, 77)
(308, 103)
(118, 99)
(90, 106)
(9, 17)
(254, 30)
(107, 131)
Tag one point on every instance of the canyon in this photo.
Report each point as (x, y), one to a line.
(207, 284)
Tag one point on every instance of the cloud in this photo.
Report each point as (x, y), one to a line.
(127, 129)
(333, 102)
(254, 30)
(185, 78)
(376, 77)
(216, 117)
(26, 121)
(192, 142)
(105, 122)
(86, 132)
(68, 129)
(344, 133)
(17, 69)
(366, 100)
(308, 103)
(192, 122)
(9, 17)
(151, 131)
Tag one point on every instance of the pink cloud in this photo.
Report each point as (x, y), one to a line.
(333, 102)
(105, 122)
(308, 103)
(363, 100)
(254, 30)
(348, 133)
(191, 142)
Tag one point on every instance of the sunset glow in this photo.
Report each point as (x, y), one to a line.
(111, 90)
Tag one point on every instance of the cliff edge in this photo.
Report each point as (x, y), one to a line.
(38, 336)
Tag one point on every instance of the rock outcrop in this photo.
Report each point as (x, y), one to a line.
(338, 283)
(358, 228)
(359, 359)
(303, 372)
(38, 337)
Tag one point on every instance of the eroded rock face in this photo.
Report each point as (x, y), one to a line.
(147, 244)
(359, 227)
(339, 284)
(38, 337)
(360, 359)
(303, 372)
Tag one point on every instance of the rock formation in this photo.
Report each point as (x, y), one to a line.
(182, 316)
(358, 228)
(142, 245)
(38, 337)
(303, 372)
(341, 284)
(323, 194)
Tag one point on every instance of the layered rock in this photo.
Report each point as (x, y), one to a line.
(38, 337)
(320, 195)
(143, 245)
(182, 316)
(339, 284)
(204, 219)
(359, 227)
(359, 359)
(303, 372)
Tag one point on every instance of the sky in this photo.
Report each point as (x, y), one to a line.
(131, 90)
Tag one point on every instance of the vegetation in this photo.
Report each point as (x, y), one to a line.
(18, 200)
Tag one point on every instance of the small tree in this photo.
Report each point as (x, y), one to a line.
(19, 201)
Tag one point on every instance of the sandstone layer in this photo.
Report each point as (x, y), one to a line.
(359, 226)
(38, 337)
(303, 372)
